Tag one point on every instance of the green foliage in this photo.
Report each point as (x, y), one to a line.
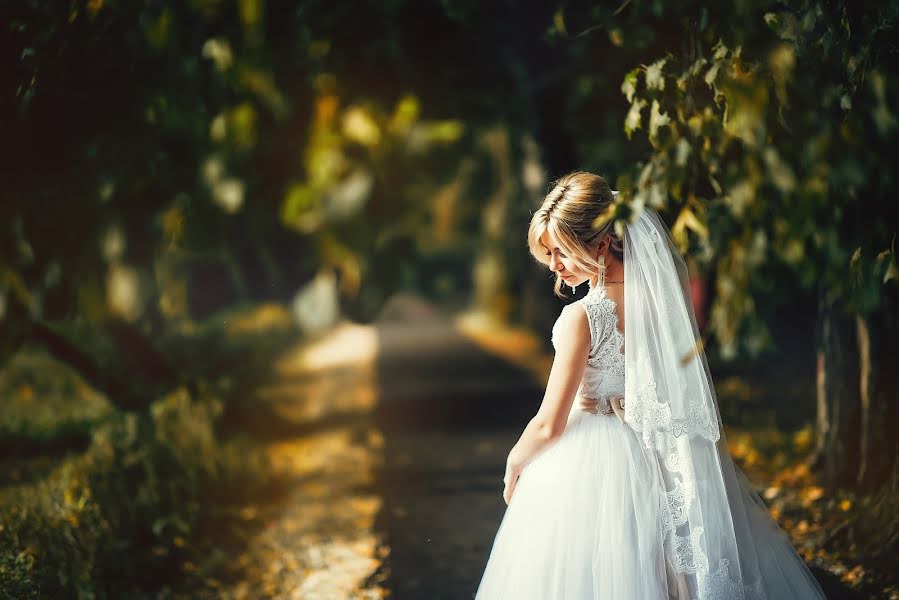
(771, 147)
(45, 402)
(211, 140)
(86, 530)
(268, 144)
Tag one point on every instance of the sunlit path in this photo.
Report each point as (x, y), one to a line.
(450, 409)
(313, 536)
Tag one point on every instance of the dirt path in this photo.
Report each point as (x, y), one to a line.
(312, 534)
(450, 411)
(388, 443)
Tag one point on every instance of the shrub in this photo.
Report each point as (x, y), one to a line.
(87, 530)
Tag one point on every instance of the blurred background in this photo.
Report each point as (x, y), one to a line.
(268, 322)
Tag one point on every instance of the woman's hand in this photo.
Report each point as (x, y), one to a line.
(591, 405)
(513, 470)
(613, 404)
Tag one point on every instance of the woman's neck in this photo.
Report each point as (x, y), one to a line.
(614, 272)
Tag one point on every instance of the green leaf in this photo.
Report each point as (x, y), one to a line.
(559, 22)
(882, 115)
(712, 74)
(629, 85)
(739, 197)
(856, 256)
(892, 271)
(783, 24)
(719, 52)
(633, 119)
(781, 173)
(301, 208)
(654, 78)
(681, 152)
(657, 119)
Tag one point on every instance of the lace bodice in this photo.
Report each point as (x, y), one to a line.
(604, 374)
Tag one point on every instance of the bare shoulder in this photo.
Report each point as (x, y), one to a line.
(574, 322)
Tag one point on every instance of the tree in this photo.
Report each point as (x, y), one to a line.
(165, 160)
(771, 146)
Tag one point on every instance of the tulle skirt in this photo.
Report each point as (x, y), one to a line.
(583, 523)
(572, 529)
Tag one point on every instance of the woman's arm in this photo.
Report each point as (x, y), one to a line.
(573, 340)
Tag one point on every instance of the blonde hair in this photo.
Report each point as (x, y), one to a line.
(568, 212)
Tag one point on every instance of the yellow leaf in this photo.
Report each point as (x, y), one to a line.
(688, 220)
(616, 37)
(405, 113)
(173, 225)
(604, 217)
(892, 271)
(811, 494)
(448, 130)
(360, 126)
(26, 392)
(559, 22)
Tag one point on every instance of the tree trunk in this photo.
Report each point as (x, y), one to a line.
(131, 380)
(877, 530)
(878, 527)
(878, 390)
(837, 449)
(490, 277)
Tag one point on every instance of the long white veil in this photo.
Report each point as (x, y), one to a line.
(716, 536)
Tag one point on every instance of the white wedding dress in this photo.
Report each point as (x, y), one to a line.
(585, 522)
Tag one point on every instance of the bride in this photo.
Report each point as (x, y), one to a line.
(621, 486)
